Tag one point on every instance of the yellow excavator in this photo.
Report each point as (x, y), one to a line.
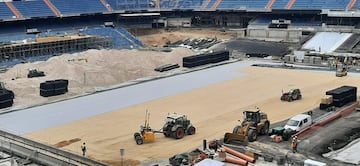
(254, 124)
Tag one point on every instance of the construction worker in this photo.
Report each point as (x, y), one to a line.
(83, 148)
(294, 144)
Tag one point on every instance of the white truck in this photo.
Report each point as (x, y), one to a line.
(298, 122)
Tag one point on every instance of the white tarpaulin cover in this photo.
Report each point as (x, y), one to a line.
(325, 42)
(209, 162)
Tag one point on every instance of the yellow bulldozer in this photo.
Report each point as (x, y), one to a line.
(255, 123)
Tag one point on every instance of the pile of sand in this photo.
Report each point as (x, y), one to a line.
(86, 72)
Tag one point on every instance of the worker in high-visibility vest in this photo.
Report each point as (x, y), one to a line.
(294, 144)
(83, 148)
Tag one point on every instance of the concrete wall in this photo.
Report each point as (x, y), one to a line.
(284, 34)
(41, 153)
(179, 22)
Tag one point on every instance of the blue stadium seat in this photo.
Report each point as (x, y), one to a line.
(320, 4)
(336, 4)
(246, 4)
(168, 4)
(356, 5)
(121, 38)
(211, 4)
(280, 4)
(72, 7)
(5, 12)
(19, 37)
(33, 8)
(130, 4)
(190, 4)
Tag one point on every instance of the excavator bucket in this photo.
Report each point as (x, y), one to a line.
(234, 137)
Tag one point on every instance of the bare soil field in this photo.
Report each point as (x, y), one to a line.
(213, 110)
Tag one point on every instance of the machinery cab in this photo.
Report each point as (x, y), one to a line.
(35, 73)
(177, 125)
(255, 123)
(251, 118)
(292, 94)
(177, 119)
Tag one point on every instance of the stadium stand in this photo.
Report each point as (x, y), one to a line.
(130, 4)
(320, 4)
(71, 7)
(190, 4)
(280, 4)
(45, 8)
(14, 10)
(33, 8)
(5, 12)
(120, 38)
(236, 4)
(168, 4)
(351, 4)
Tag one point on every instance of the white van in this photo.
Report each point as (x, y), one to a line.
(298, 122)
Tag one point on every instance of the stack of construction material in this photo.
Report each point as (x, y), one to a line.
(166, 67)
(203, 59)
(292, 58)
(53, 87)
(6, 98)
(306, 59)
(236, 157)
(343, 95)
(312, 59)
(326, 102)
(287, 58)
(317, 60)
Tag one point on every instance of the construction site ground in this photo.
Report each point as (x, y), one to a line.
(213, 108)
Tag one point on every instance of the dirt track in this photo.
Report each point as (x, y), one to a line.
(214, 110)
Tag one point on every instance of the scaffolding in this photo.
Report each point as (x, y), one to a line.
(52, 46)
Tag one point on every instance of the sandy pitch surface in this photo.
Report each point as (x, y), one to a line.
(213, 110)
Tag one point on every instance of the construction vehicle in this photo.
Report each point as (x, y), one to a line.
(146, 134)
(176, 126)
(254, 124)
(293, 94)
(341, 72)
(35, 73)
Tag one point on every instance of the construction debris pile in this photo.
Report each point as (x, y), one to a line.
(202, 43)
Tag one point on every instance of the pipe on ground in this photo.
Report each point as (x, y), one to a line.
(236, 161)
(238, 154)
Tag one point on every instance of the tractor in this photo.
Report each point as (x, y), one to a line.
(293, 94)
(176, 126)
(254, 124)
